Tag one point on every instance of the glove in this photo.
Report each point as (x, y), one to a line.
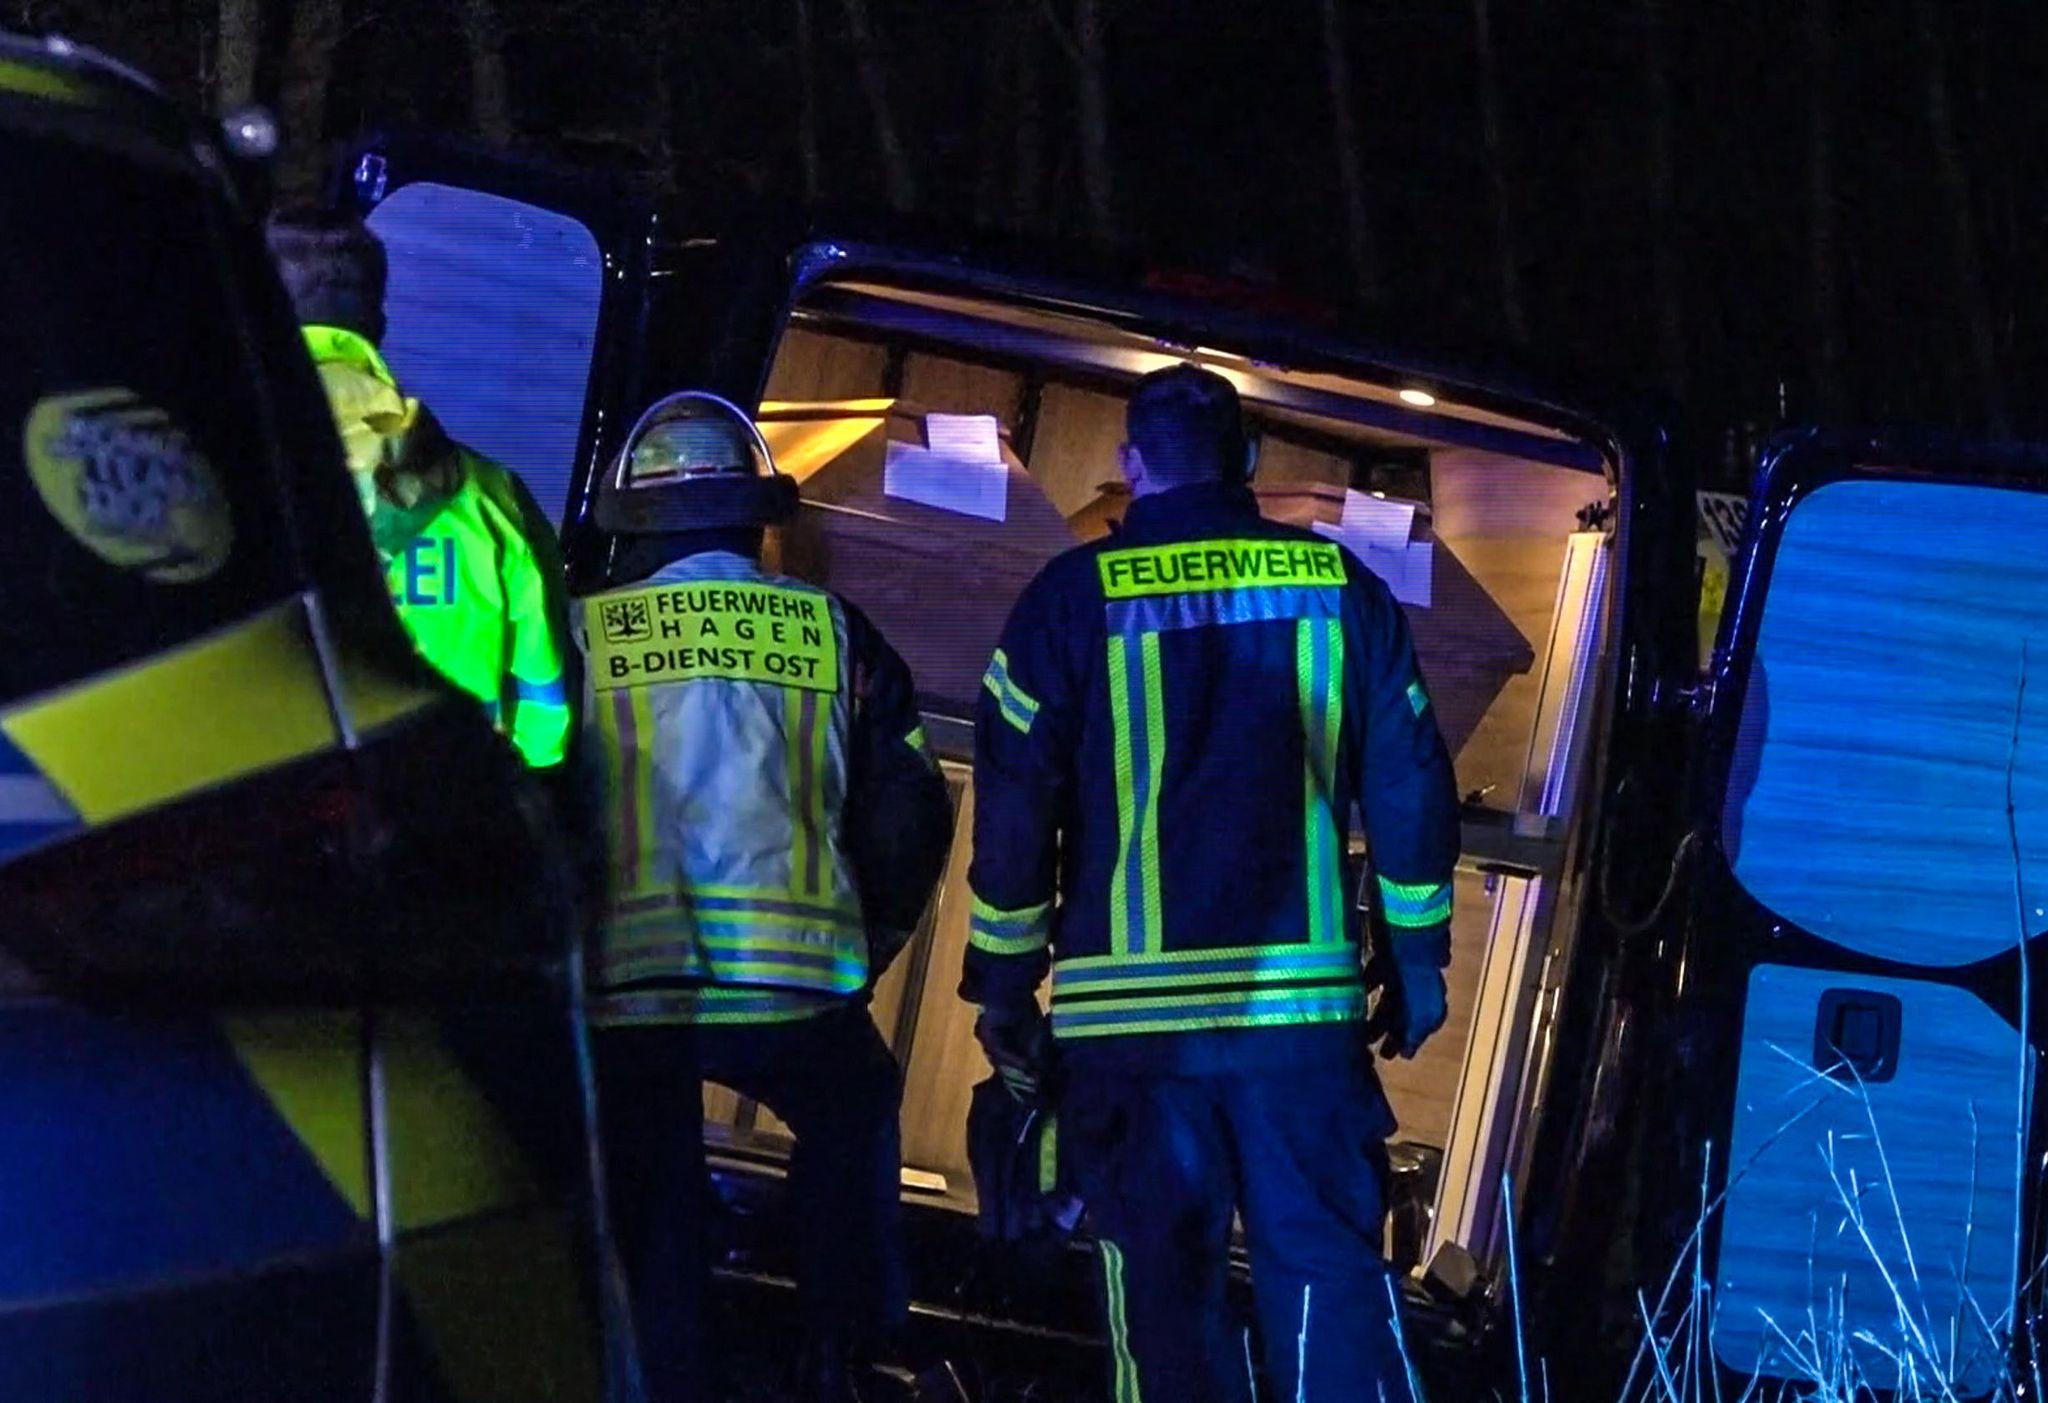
(1419, 1007)
(1018, 1044)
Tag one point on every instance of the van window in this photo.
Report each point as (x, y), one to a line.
(137, 484)
(1900, 686)
(493, 309)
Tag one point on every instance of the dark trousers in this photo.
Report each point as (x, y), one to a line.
(834, 1082)
(1164, 1161)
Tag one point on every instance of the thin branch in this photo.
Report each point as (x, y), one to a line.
(1062, 35)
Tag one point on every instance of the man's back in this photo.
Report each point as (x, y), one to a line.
(1196, 706)
(753, 730)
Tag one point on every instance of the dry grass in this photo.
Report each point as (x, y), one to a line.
(1923, 1355)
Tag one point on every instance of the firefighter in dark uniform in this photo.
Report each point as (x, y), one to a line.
(1172, 740)
(776, 825)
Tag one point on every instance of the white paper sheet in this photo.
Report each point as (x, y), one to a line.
(1377, 522)
(1409, 571)
(967, 486)
(972, 438)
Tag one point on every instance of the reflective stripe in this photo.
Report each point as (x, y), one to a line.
(734, 936)
(804, 747)
(1187, 1013)
(1119, 1325)
(707, 1006)
(1414, 905)
(1049, 1155)
(239, 701)
(703, 905)
(1139, 748)
(1022, 931)
(31, 80)
(633, 840)
(1319, 669)
(1018, 706)
(749, 960)
(1187, 969)
(1154, 613)
(654, 942)
(1418, 699)
(551, 693)
(610, 765)
(1148, 822)
(1189, 990)
(1126, 812)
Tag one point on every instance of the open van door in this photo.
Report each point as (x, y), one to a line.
(514, 300)
(1872, 813)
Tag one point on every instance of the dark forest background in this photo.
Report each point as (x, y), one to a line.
(1802, 209)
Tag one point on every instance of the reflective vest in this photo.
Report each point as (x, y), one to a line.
(467, 574)
(466, 581)
(717, 707)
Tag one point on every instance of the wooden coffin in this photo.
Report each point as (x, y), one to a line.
(938, 583)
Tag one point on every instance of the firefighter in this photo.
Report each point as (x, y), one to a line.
(777, 826)
(471, 563)
(1170, 744)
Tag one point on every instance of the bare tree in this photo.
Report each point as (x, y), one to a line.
(1098, 182)
(1358, 241)
(806, 37)
(998, 83)
(238, 40)
(1667, 289)
(490, 88)
(869, 63)
(1966, 263)
(1027, 131)
(1085, 44)
(302, 93)
(1010, 158)
(1823, 224)
(1506, 247)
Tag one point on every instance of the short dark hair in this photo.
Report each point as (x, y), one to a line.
(1188, 425)
(333, 267)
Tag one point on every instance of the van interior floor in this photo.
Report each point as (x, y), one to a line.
(987, 1324)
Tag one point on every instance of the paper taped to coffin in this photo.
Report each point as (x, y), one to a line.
(1465, 643)
(1467, 646)
(938, 583)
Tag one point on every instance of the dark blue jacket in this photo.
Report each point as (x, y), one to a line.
(1171, 744)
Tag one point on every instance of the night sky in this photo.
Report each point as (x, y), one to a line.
(1222, 156)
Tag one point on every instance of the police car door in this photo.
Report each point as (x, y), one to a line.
(1873, 832)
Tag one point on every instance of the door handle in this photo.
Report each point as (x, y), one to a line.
(1856, 1035)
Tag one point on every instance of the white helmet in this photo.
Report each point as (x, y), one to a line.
(693, 461)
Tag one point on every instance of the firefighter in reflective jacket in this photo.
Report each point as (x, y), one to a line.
(777, 825)
(1171, 743)
(471, 563)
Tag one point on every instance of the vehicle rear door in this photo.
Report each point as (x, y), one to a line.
(1873, 827)
(515, 300)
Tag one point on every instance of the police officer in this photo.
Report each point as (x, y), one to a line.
(471, 563)
(777, 825)
(1171, 743)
